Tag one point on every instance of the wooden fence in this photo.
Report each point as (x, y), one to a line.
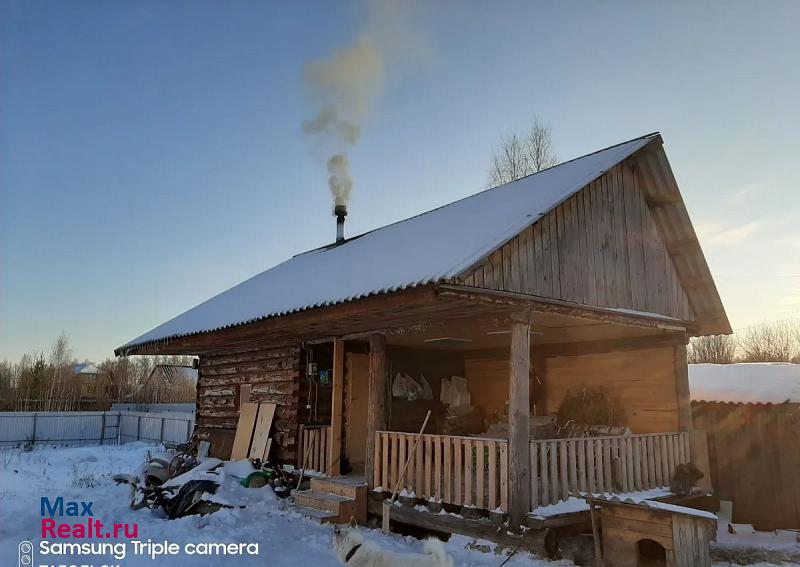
(470, 471)
(566, 467)
(465, 471)
(755, 460)
(94, 427)
(313, 448)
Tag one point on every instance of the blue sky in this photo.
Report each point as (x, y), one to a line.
(151, 153)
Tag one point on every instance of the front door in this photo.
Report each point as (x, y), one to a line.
(357, 380)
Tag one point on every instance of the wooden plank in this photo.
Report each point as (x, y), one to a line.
(480, 474)
(448, 469)
(504, 484)
(266, 412)
(377, 469)
(428, 449)
(563, 474)
(666, 471)
(534, 475)
(244, 394)
(493, 484)
(599, 464)
(554, 488)
(437, 470)
(402, 444)
(630, 464)
(314, 449)
(682, 387)
(573, 466)
(543, 456)
(700, 457)
(607, 465)
(670, 440)
(637, 463)
(467, 444)
(244, 431)
(657, 458)
(377, 392)
(596, 206)
(552, 235)
(395, 465)
(337, 403)
(386, 481)
(622, 449)
(582, 450)
(458, 471)
(591, 466)
(651, 463)
(419, 476)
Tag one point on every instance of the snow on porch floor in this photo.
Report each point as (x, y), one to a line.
(84, 474)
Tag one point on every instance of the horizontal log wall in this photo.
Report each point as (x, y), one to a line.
(273, 375)
(600, 247)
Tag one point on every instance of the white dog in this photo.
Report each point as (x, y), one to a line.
(354, 551)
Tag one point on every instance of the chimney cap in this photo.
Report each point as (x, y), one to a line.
(340, 210)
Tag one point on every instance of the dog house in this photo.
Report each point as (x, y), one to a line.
(644, 532)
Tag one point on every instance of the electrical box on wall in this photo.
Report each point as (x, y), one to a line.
(311, 369)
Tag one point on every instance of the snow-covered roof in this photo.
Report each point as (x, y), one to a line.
(433, 246)
(757, 382)
(86, 368)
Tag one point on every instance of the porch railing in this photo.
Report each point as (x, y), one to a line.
(313, 448)
(465, 471)
(473, 472)
(566, 467)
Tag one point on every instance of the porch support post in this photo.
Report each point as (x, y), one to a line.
(519, 473)
(335, 442)
(682, 388)
(377, 392)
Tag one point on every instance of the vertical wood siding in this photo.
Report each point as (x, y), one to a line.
(600, 247)
(643, 381)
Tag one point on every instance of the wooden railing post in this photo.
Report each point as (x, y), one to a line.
(335, 441)
(377, 393)
(519, 479)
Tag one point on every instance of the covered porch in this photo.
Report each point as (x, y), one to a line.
(512, 452)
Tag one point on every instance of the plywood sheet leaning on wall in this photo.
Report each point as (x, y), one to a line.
(244, 431)
(259, 449)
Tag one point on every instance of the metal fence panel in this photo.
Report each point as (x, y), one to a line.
(79, 428)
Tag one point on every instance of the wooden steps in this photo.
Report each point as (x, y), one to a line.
(334, 500)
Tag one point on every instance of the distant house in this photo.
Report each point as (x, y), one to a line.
(91, 382)
(751, 415)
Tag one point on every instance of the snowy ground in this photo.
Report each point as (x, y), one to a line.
(84, 474)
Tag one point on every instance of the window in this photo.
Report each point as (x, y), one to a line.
(91, 389)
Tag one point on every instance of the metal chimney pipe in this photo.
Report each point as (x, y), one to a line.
(340, 211)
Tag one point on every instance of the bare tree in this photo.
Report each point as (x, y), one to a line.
(521, 155)
(768, 343)
(716, 349)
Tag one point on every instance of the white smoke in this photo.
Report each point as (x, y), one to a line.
(345, 84)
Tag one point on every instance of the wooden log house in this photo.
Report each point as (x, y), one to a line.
(585, 276)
